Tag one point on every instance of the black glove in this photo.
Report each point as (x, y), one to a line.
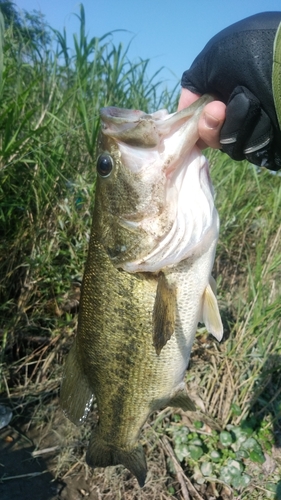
(236, 67)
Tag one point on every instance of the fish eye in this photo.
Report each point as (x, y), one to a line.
(104, 165)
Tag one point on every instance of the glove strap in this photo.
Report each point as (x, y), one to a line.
(276, 73)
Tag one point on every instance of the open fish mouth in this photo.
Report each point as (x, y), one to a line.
(175, 131)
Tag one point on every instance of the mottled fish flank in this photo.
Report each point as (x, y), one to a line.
(147, 280)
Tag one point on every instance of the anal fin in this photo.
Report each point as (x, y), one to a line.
(182, 400)
(164, 313)
(76, 396)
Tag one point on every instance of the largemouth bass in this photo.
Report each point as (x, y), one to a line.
(147, 280)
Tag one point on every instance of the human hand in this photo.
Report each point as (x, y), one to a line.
(210, 122)
(236, 67)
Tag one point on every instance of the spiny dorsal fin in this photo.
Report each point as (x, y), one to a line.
(210, 311)
(164, 313)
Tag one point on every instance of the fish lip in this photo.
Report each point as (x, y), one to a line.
(121, 115)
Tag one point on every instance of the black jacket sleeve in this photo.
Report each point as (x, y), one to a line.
(236, 67)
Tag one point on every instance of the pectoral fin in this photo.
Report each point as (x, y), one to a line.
(164, 313)
(210, 311)
(76, 396)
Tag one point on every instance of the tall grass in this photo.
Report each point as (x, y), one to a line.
(248, 272)
(49, 120)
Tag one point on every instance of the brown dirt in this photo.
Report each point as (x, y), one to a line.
(22, 476)
(60, 471)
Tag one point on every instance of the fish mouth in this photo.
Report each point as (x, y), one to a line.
(133, 127)
(137, 128)
(158, 141)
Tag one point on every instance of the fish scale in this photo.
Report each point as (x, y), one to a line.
(141, 300)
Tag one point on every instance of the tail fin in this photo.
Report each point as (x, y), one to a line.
(102, 454)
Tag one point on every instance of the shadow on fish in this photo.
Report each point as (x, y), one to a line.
(147, 280)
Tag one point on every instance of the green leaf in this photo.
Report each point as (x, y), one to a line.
(195, 451)
(235, 467)
(250, 444)
(241, 454)
(241, 435)
(254, 449)
(225, 475)
(271, 487)
(206, 468)
(236, 410)
(231, 472)
(226, 438)
(257, 456)
(240, 482)
(197, 441)
(182, 451)
(215, 456)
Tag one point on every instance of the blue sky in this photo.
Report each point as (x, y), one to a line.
(168, 32)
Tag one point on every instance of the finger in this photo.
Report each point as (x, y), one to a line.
(210, 125)
(210, 122)
(186, 98)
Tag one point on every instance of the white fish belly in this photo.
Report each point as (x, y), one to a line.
(191, 278)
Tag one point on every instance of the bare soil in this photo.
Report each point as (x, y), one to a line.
(29, 463)
(46, 462)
